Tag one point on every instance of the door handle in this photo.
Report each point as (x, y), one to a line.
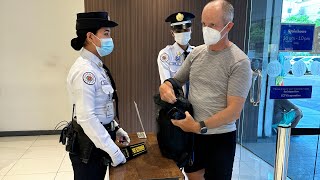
(255, 90)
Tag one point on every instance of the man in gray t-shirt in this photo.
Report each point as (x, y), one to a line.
(220, 78)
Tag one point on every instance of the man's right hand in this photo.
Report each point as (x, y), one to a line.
(117, 158)
(167, 92)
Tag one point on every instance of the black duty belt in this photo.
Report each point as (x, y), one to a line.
(111, 127)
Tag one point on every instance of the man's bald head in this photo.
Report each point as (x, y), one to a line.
(221, 7)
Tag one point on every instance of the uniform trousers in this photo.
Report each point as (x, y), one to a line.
(95, 169)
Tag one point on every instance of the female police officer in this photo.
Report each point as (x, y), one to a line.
(91, 92)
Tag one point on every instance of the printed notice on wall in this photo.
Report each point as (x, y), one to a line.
(290, 92)
(296, 37)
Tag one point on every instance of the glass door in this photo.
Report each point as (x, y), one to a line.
(273, 26)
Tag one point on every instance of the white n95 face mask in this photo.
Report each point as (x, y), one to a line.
(182, 38)
(212, 36)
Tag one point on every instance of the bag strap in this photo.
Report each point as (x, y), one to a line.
(113, 84)
(73, 112)
(176, 86)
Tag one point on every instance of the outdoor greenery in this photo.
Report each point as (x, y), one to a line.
(301, 19)
(256, 35)
(257, 32)
(317, 22)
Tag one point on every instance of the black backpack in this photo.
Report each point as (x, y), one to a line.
(173, 142)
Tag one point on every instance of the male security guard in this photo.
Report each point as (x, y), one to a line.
(171, 57)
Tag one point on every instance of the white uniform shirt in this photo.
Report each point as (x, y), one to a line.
(91, 91)
(170, 60)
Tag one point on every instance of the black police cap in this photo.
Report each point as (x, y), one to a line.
(180, 20)
(94, 20)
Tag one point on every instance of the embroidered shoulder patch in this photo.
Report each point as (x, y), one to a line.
(164, 57)
(89, 78)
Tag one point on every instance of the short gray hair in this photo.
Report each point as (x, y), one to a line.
(228, 10)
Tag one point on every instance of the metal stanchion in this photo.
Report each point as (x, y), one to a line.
(282, 154)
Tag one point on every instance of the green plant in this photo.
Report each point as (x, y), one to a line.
(302, 19)
(256, 32)
(317, 22)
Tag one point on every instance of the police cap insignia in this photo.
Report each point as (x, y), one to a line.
(89, 78)
(164, 57)
(179, 17)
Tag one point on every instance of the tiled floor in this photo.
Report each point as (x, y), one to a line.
(42, 157)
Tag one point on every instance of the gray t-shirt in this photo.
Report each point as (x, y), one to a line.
(213, 76)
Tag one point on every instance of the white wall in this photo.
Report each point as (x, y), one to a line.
(35, 56)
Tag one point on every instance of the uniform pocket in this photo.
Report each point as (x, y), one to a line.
(107, 89)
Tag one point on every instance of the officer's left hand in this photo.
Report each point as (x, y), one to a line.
(188, 124)
(123, 137)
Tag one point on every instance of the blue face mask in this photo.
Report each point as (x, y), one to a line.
(106, 46)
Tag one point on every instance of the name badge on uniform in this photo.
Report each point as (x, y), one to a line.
(107, 89)
(110, 110)
(104, 82)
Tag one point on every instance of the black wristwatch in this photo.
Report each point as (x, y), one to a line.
(203, 127)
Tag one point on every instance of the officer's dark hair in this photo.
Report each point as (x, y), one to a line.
(78, 42)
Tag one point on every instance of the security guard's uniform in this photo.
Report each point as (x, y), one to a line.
(91, 91)
(170, 60)
(171, 57)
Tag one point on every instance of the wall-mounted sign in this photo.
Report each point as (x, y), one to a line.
(296, 37)
(290, 92)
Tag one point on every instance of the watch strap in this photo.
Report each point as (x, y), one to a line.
(202, 124)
